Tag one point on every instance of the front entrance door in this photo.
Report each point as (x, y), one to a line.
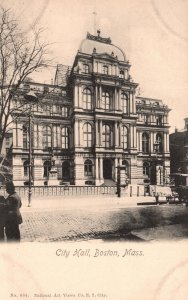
(107, 169)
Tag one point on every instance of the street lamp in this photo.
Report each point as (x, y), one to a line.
(31, 98)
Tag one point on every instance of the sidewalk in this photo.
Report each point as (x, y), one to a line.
(89, 202)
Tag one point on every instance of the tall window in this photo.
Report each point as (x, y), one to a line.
(87, 98)
(106, 100)
(124, 101)
(47, 137)
(87, 130)
(159, 141)
(122, 74)
(36, 136)
(146, 119)
(85, 68)
(146, 169)
(105, 70)
(56, 136)
(25, 137)
(47, 167)
(88, 168)
(64, 138)
(26, 168)
(159, 120)
(145, 143)
(64, 111)
(106, 136)
(124, 137)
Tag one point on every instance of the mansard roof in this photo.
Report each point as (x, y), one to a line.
(97, 44)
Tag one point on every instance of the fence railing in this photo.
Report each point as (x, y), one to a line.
(49, 191)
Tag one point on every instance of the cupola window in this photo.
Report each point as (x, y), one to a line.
(105, 70)
(85, 68)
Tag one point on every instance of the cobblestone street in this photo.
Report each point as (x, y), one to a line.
(107, 219)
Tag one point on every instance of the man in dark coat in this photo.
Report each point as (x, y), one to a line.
(14, 218)
(3, 214)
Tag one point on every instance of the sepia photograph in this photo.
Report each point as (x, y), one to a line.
(93, 149)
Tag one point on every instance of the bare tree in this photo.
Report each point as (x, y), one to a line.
(20, 56)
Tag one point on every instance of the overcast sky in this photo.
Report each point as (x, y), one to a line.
(153, 34)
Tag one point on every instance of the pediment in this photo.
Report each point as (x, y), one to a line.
(106, 56)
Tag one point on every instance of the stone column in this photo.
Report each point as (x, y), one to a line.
(133, 103)
(40, 136)
(135, 137)
(115, 99)
(20, 135)
(167, 142)
(96, 170)
(101, 168)
(80, 105)
(100, 96)
(140, 141)
(152, 142)
(97, 133)
(120, 134)
(14, 132)
(116, 134)
(100, 132)
(130, 104)
(96, 97)
(119, 99)
(76, 133)
(115, 168)
(75, 96)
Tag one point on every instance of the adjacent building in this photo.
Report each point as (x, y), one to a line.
(179, 155)
(90, 122)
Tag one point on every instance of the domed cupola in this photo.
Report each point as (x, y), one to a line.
(99, 45)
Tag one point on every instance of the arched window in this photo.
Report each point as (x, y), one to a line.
(64, 138)
(124, 102)
(25, 137)
(124, 137)
(47, 167)
(87, 98)
(26, 168)
(106, 100)
(47, 137)
(87, 131)
(107, 136)
(88, 168)
(85, 68)
(159, 143)
(105, 70)
(146, 169)
(145, 143)
(122, 74)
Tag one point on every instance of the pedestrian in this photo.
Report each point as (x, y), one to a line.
(157, 198)
(14, 218)
(3, 213)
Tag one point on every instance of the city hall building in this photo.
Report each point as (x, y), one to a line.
(89, 123)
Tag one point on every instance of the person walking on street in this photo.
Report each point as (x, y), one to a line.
(3, 214)
(14, 218)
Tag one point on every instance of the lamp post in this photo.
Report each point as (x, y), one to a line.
(31, 98)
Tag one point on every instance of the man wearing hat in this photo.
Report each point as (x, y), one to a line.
(14, 218)
(3, 214)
